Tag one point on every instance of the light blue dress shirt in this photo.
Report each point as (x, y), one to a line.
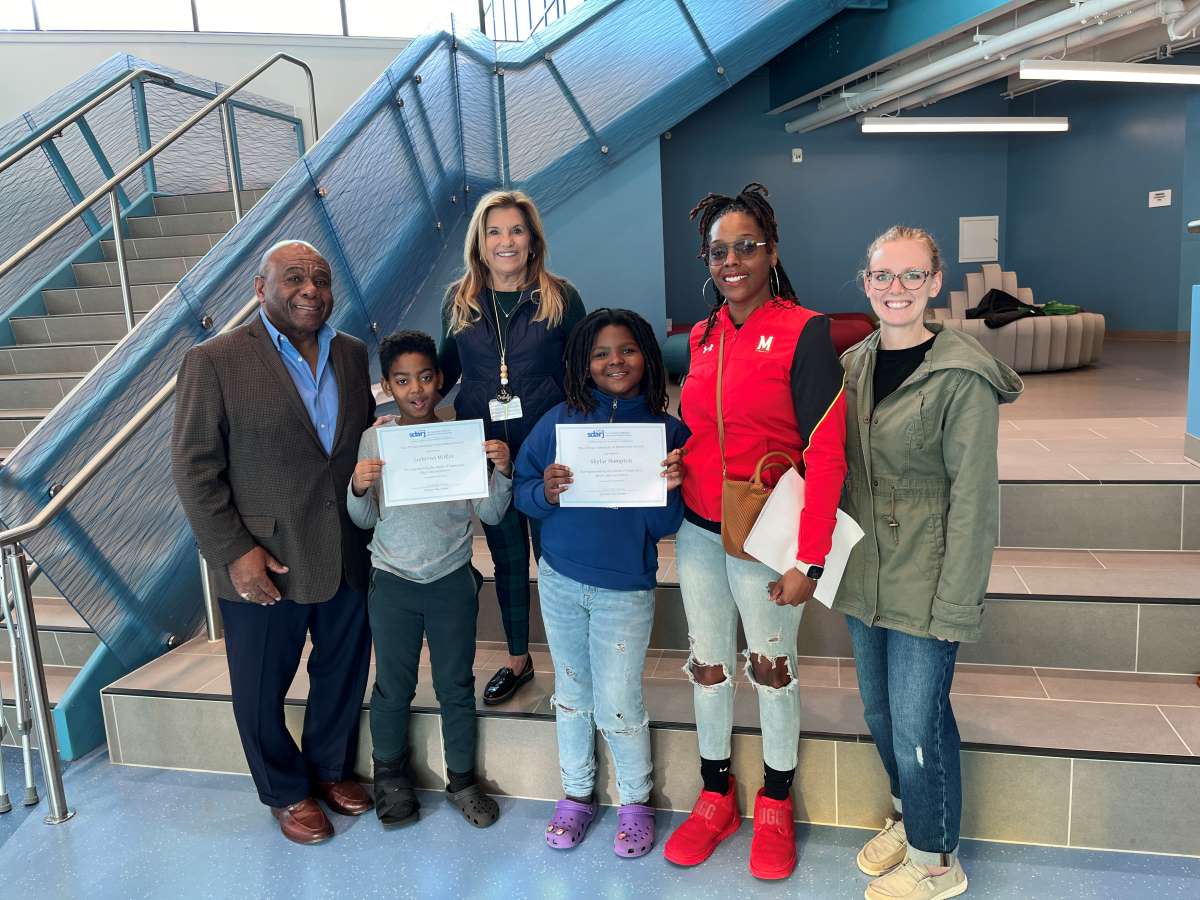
(319, 393)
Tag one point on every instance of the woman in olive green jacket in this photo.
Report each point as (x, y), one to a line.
(923, 413)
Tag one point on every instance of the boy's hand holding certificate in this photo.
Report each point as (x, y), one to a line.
(613, 464)
(433, 463)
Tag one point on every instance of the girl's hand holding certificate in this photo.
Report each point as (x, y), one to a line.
(557, 477)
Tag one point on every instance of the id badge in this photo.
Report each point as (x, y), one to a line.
(502, 411)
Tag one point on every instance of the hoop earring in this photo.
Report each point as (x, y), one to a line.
(775, 290)
(704, 292)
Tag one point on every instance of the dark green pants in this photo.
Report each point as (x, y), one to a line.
(403, 612)
(508, 543)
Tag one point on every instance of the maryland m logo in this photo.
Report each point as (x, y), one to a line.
(764, 343)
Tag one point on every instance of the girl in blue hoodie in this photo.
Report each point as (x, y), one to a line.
(597, 574)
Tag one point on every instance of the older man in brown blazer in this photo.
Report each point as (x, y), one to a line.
(267, 424)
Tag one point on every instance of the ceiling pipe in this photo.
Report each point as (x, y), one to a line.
(1015, 41)
(1071, 43)
(1184, 25)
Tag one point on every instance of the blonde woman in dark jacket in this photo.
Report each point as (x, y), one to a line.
(922, 415)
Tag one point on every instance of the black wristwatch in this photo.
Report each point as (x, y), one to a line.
(815, 572)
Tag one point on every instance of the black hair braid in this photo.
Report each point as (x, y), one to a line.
(578, 357)
(752, 200)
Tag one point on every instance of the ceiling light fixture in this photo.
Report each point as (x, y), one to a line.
(1075, 70)
(961, 124)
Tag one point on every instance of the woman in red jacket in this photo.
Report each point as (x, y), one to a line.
(781, 389)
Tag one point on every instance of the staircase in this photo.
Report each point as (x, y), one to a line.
(53, 352)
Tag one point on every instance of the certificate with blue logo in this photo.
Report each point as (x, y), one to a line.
(433, 463)
(613, 464)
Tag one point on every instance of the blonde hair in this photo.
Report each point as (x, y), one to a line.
(906, 233)
(464, 302)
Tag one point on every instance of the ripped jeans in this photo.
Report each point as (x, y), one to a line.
(718, 589)
(905, 683)
(598, 639)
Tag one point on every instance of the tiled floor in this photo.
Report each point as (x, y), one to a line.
(1008, 706)
(1054, 573)
(131, 839)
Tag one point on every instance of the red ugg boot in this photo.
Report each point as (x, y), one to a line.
(773, 848)
(714, 818)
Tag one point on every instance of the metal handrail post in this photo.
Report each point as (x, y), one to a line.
(20, 692)
(142, 115)
(213, 625)
(18, 578)
(226, 119)
(5, 802)
(114, 206)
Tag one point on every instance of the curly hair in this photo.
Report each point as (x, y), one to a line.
(752, 200)
(578, 357)
(400, 342)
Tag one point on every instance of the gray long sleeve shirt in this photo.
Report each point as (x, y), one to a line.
(426, 541)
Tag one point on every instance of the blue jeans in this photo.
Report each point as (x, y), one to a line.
(905, 686)
(718, 589)
(598, 639)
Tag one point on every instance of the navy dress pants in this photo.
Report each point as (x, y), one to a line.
(263, 645)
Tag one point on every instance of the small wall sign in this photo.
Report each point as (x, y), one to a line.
(1160, 198)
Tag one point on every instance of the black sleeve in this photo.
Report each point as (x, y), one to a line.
(816, 376)
(573, 311)
(448, 362)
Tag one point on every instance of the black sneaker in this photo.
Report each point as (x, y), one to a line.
(506, 682)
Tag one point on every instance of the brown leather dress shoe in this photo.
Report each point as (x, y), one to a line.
(346, 797)
(304, 822)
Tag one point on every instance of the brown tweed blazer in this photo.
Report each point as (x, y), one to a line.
(250, 469)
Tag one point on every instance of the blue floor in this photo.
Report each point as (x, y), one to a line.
(155, 833)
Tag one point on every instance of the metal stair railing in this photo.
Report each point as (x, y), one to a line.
(112, 186)
(14, 564)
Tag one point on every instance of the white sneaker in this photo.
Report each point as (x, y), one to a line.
(912, 881)
(885, 851)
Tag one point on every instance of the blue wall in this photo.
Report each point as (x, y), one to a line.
(849, 188)
(1079, 228)
(1074, 220)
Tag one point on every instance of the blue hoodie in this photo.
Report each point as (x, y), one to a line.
(606, 548)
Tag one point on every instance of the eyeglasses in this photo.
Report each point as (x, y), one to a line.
(910, 280)
(744, 248)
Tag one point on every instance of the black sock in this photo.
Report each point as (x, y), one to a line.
(715, 773)
(776, 784)
(460, 780)
(586, 801)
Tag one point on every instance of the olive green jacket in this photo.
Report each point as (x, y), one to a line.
(922, 483)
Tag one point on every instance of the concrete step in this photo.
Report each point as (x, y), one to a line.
(1043, 762)
(58, 679)
(141, 271)
(220, 201)
(65, 638)
(15, 424)
(162, 247)
(35, 391)
(180, 224)
(68, 328)
(62, 358)
(70, 301)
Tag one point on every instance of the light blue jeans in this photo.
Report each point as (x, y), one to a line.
(598, 639)
(718, 589)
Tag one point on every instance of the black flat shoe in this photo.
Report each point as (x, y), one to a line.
(506, 682)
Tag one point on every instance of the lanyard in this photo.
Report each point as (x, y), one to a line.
(502, 341)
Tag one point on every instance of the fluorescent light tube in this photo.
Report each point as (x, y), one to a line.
(961, 124)
(1073, 70)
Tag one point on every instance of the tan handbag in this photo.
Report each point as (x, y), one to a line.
(741, 501)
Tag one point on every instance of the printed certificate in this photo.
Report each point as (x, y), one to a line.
(432, 463)
(613, 464)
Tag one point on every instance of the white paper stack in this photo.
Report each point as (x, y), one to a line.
(775, 536)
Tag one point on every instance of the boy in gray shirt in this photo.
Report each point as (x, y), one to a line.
(422, 586)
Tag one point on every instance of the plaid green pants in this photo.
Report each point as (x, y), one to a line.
(508, 543)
